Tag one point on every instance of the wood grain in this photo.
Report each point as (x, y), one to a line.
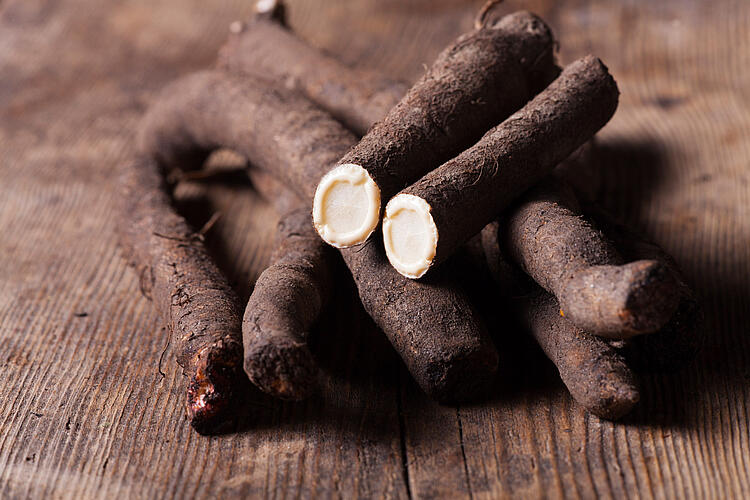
(89, 408)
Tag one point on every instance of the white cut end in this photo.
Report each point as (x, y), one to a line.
(265, 6)
(346, 207)
(409, 235)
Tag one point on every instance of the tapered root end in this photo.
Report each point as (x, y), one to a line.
(615, 397)
(410, 235)
(211, 390)
(652, 296)
(346, 206)
(621, 301)
(283, 369)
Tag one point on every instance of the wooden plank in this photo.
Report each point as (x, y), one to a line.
(86, 412)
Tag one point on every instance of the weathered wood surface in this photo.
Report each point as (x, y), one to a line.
(88, 407)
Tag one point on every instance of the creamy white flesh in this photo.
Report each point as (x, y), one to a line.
(346, 206)
(265, 6)
(409, 235)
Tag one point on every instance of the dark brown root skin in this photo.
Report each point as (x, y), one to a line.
(479, 80)
(469, 191)
(510, 280)
(678, 343)
(454, 371)
(209, 109)
(596, 375)
(432, 325)
(562, 251)
(199, 307)
(620, 301)
(285, 303)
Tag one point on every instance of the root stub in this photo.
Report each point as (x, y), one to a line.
(286, 301)
(283, 368)
(621, 301)
(346, 206)
(212, 388)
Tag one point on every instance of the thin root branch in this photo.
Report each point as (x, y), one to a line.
(481, 20)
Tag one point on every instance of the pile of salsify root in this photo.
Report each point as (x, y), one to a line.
(468, 175)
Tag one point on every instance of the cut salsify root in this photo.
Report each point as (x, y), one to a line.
(346, 206)
(480, 79)
(485, 75)
(200, 309)
(466, 193)
(433, 326)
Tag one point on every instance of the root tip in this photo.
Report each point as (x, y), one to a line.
(284, 370)
(652, 298)
(210, 392)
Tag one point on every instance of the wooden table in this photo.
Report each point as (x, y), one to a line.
(91, 399)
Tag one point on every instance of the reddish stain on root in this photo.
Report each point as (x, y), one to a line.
(211, 391)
